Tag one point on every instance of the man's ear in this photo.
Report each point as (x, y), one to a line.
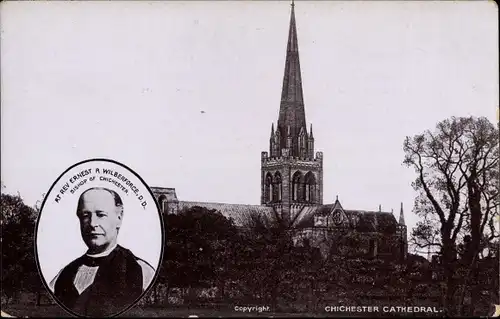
(119, 212)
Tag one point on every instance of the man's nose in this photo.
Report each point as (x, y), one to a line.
(93, 221)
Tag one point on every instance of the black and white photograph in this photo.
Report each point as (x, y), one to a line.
(99, 238)
(302, 158)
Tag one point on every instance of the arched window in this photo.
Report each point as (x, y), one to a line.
(268, 188)
(278, 187)
(297, 182)
(310, 188)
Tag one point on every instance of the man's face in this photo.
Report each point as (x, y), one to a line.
(100, 220)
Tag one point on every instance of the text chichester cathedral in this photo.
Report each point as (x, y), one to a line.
(292, 183)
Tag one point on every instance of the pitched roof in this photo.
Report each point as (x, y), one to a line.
(372, 220)
(305, 218)
(363, 220)
(169, 193)
(241, 214)
(324, 210)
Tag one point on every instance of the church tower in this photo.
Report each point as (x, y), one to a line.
(291, 173)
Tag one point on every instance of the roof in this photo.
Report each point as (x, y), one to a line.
(169, 193)
(360, 219)
(241, 214)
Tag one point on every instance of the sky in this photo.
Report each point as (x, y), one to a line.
(185, 93)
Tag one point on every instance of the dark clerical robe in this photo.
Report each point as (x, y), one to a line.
(118, 281)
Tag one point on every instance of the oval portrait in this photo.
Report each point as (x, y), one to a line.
(99, 239)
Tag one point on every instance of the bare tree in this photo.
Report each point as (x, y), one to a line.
(457, 185)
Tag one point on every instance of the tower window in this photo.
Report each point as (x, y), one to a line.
(277, 187)
(268, 189)
(297, 186)
(310, 188)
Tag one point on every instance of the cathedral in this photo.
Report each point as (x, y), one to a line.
(292, 183)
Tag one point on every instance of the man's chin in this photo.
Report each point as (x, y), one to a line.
(96, 246)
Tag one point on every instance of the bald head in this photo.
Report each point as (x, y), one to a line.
(100, 211)
(101, 192)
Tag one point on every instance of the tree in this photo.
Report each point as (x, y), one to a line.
(457, 185)
(198, 250)
(329, 263)
(347, 271)
(17, 223)
(263, 264)
(271, 269)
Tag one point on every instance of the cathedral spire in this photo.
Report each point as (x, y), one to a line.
(401, 216)
(283, 186)
(292, 111)
(292, 80)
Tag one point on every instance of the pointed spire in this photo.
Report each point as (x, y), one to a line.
(292, 79)
(292, 111)
(379, 208)
(273, 144)
(401, 216)
(311, 132)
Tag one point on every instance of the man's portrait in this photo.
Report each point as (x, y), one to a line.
(99, 239)
(108, 277)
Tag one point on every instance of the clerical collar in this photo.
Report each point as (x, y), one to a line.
(104, 253)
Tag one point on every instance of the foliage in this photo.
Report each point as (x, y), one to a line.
(271, 264)
(198, 247)
(457, 186)
(17, 224)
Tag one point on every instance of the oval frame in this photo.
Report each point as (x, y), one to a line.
(162, 227)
